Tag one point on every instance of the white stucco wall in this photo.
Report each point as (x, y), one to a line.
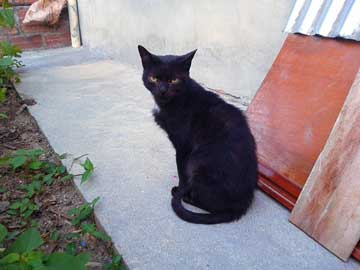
(237, 40)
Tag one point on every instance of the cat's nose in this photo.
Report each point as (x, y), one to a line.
(162, 89)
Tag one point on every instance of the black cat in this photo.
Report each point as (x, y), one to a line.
(215, 150)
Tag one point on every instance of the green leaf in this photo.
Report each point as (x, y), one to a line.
(34, 224)
(17, 266)
(3, 233)
(101, 235)
(88, 165)
(86, 176)
(27, 213)
(83, 258)
(35, 165)
(54, 235)
(48, 179)
(35, 152)
(2, 95)
(62, 261)
(83, 212)
(10, 258)
(2, 189)
(34, 259)
(88, 228)
(4, 161)
(61, 169)
(15, 205)
(6, 62)
(3, 116)
(71, 249)
(7, 18)
(18, 161)
(32, 188)
(91, 229)
(117, 263)
(50, 168)
(12, 212)
(94, 201)
(67, 177)
(89, 169)
(8, 49)
(26, 242)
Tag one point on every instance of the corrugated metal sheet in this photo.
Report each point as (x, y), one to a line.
(329, 18)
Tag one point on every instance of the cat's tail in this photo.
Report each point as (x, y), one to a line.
(198, 218)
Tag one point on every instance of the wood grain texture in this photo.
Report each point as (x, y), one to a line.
(328, 208)
(298, 102)
(295, 109)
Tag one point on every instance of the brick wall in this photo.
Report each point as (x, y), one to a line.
(29, 37)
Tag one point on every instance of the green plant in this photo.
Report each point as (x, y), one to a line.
(26, 251)
(82, 212)
(2, 94)
(3, 233)
(25, 208)
(32, 188)
(92, 230)
(89, 170)
(116, 263)
(9, 54)
(7, 18)
(26, 159)
(25, 254)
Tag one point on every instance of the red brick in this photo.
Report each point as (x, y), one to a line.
(27, 42)
(57, 40)
(20, 2)
(6, 30)
(12, 31)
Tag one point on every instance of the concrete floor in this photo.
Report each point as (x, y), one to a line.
(89, 105)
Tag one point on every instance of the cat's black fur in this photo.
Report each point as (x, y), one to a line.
(215, 150)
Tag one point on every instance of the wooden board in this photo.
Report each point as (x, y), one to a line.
(295, 109)
(328, 208)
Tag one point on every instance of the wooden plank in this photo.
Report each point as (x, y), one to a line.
(294, 110)
(328, 208)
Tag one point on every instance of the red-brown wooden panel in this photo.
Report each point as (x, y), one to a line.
(299, 101)
(296, 107)
(328, 208)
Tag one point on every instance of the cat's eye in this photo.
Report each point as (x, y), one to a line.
(175, 81)
(153, 79)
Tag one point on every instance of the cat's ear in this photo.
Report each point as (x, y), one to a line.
(186, 59)
(146, 57)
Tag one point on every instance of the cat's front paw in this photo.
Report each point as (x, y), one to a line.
(174, 190)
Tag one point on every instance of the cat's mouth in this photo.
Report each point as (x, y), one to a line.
(163, 98)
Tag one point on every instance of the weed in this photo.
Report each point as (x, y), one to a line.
(26, 252)
(25, 208)
(82, 212)
(92, 230)
(116, 263)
